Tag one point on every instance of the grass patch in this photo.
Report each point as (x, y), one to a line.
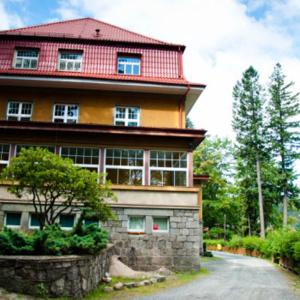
(175, 280)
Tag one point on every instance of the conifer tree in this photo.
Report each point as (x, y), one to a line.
(283, 127)
(249, 128)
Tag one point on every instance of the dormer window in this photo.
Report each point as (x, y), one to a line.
(26, 59)
(127, 116)
(128, 65)
(70, 61)
(65, 113)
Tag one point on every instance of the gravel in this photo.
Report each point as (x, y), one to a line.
(235, 277)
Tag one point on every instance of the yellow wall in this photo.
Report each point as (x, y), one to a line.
(96, 107)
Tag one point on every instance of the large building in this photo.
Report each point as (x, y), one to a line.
(115, 102)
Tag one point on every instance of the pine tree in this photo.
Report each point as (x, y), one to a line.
(283, 110)
(248, 126)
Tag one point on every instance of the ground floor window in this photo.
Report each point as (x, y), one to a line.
(12, 219)
(136, 224)
(168, 168)
(125, 166)
(160, 224)
(49, 148)
(87, 158)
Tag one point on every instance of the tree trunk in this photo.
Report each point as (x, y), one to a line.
(285, 210)
(249, 225)
(260, 200)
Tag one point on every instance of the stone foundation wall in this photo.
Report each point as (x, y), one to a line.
(69, 275)
(177, 250)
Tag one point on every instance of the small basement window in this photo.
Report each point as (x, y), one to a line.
(66, 221)
(136, 224)
(12, 219)
(160, 224)
(34, 222)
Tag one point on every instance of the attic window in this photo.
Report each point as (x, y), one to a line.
(70, 61)
(129, 65)
(26, 59)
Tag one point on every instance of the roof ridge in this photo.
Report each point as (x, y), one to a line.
(125, 29)
(47, 24)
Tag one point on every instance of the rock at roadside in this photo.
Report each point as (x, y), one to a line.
(106, 279)
(129, 285)
(153, 280)
(147, 282)
(164, 271)
(118, 286)
(160, 278)
(138, 284)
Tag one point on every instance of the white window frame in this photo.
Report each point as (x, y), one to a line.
(161, 231)
(143, 230)
(6, 162)
(87, 166)
(132, 64)
(126, 167)
(30, 58)
(65, 117)
(12, 226)
(67, 228)
(29, 222)
(19, 115)
(169, 168)
(126, 119)
(68, 60)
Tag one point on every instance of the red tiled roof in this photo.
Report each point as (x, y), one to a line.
(85, 29)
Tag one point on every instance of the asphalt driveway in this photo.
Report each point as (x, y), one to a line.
(235, 277)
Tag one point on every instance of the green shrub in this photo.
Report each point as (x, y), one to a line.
(253, 243)
(15, 242)
(215, 242)
(53, 240)
(235, 242)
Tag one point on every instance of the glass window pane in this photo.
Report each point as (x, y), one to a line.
(156, 178)
(66, 221)
(160, 224)
(136, 223)
(13, 219)
(168, 178)
(180, 178)
(34, 220)
(112, 175)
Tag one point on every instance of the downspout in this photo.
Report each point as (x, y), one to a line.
(181, 105)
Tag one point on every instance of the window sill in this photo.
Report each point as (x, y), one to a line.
(135, 233)
(183, 189)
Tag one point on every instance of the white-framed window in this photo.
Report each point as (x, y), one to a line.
(136, 224)
(33, 221)
(124, 166)
(66, 221)
(20, 147)
(26, 59)
(19, 111)
(4, 155)
(70, 61)
(168, 168)
(65, 113)
(127, 116)
(12, 219)
(160, 224)
(128, 65)
(87, 158)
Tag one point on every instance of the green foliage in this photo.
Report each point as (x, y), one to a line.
(278, 243)
(54, 241)
(220, 204)
(48, 178)
(13, 242)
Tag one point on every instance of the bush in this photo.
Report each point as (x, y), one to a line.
(215, 242)
(54, 241)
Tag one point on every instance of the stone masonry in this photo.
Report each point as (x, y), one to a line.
(69, 275)
(177, 250)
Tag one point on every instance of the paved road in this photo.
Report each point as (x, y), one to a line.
(234, 277)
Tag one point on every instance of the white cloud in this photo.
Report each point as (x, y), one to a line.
(8, 20)
(222, 41)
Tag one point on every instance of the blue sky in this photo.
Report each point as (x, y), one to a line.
(223, 37)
